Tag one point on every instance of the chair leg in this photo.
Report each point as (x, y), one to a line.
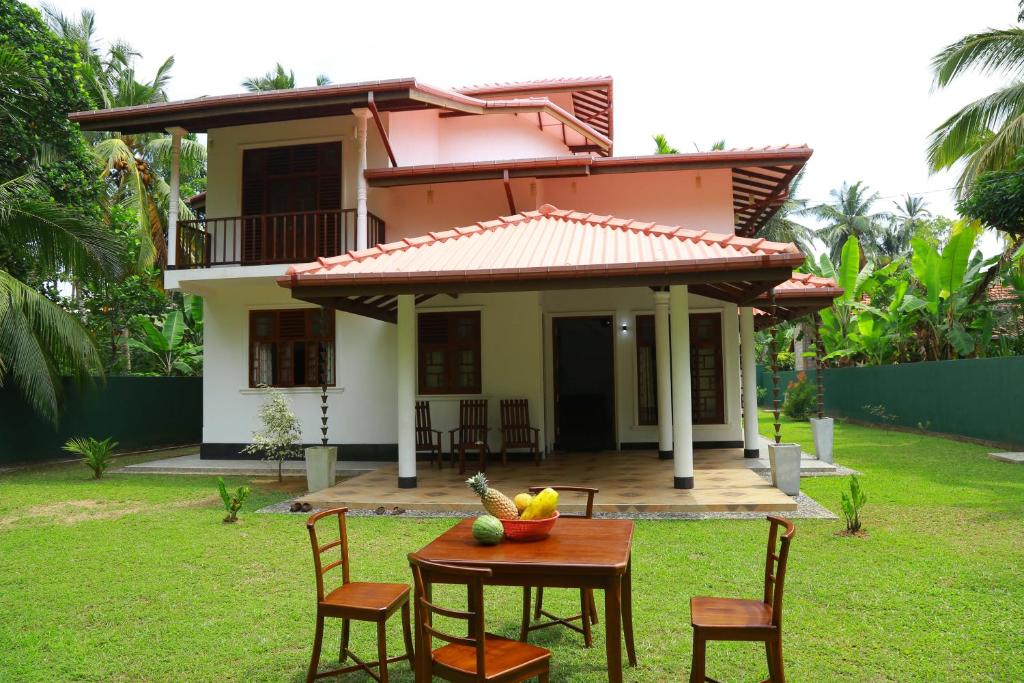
(593, 606)
(524, 625)
(407, 635)
(697, 674)
(314, 660)
(462, 459)
(775, 668)
(483, 458)
(588, 640)
(346, 626)
(382, 651)
(539, 605)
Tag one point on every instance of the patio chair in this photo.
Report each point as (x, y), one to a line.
(751, 620)
(353, 600)
(472, 433)
(588, 608)
(478, 656)
(428, 439)
(516, 431)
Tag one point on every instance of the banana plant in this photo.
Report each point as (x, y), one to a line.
(167, 345)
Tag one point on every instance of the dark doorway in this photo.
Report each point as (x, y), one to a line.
(584, 383)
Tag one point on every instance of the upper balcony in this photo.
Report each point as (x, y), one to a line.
(273, 238)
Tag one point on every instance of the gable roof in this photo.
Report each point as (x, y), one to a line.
(547, 249)
(396, 95)
(798, 296)
(591, 96)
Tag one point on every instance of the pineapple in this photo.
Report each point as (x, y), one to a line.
(495, 502)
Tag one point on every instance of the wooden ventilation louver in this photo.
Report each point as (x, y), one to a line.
(449, 352)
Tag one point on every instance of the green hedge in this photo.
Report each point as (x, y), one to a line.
(138, 412)
(980, 398)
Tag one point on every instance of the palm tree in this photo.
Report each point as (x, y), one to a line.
(128, 161)
(847, 215)
(661, 145)
(986, 134)
(782, 228)
(895, 236)
(277, 79)
(39, 341)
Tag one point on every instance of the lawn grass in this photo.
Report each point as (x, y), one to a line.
(134, 578)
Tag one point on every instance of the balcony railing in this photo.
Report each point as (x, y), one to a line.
(271, 238)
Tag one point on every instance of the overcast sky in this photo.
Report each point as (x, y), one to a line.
(850, 79)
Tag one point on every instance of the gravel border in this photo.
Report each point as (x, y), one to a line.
(807, 508)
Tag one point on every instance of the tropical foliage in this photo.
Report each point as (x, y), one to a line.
(175, 345)
(280, 438)
(96, 455)
(277, 79)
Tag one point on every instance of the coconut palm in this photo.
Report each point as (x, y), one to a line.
(782, 228)
(848, 214)
(39, 341)
(986, 134)
(895, 236)
(661, 145)
(278, 79)
(128, 161)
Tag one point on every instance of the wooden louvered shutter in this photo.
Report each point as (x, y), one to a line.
(449, 353)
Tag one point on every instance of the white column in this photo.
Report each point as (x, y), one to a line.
(172, 199)
(682, 415)
(362, 116)
(406, 397)
(748, 372)
(663, 365)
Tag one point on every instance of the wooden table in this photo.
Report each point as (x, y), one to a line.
(579, 553)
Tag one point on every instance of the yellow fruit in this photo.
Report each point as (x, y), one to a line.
(543, 505)
(522, 501)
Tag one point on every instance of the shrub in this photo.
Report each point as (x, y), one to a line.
(281, 436)
(852, 503)
(232, 503)
(95, 454)
(801, 398)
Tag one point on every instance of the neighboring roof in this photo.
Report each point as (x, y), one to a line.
(547, 249)
(197, 200)
(798, 296)
(404, 94)
(591, 96)
(760, 177)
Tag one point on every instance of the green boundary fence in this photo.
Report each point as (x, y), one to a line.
(137, 412)
(979, 398)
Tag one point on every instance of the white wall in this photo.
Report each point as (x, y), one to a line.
(624, 305)
(361, 406)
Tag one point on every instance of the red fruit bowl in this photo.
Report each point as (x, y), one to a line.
(528, 529)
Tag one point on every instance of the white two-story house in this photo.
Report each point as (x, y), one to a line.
(406, 242)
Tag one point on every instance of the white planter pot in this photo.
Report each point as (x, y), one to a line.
(822, 430)
(785, 463)
(321, 467)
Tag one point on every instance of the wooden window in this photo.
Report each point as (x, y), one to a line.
(286, 347)
(707, 386)
(646, 372)
(289, 182)
(449, 352)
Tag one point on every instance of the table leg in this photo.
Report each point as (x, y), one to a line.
(613, 628)
(627, 612)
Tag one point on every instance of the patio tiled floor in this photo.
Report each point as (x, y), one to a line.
(629, 481)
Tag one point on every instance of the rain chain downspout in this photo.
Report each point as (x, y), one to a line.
(773, 357)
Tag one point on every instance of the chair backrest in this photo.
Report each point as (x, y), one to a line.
(424, 427)
(775, 565)
(424, 575)
(318, 550)
(473, 419)
(588, 514)
(515, 420)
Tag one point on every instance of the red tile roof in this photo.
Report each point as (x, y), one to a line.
(798, 296)
(547, 244)
(806, 285)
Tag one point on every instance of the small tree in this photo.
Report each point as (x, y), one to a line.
(96, 455)
(852, 504)
(281, 436)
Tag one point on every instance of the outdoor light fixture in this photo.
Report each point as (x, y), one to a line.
(625, 327)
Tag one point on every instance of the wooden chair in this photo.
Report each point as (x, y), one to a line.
(428, 439)
(750, 620)
(472, 433)
(478, 656)
(352, 600)
(588, 608)
(516, 431)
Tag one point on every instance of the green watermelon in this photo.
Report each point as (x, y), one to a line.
(487, 530)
